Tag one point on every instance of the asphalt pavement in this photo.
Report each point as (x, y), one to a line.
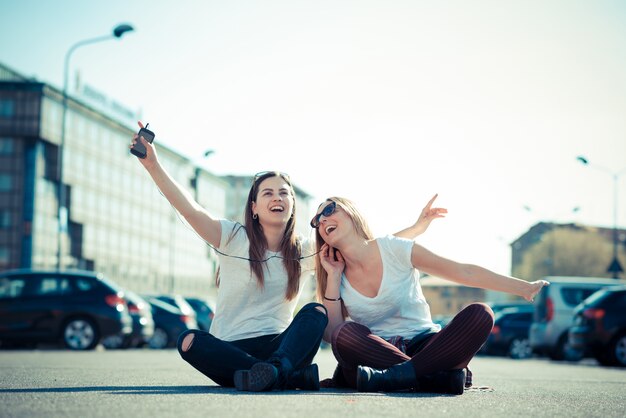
(157, 383)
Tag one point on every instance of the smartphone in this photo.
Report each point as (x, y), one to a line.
(139, 149)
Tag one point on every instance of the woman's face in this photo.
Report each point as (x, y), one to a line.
(333, 221)
(274, 201)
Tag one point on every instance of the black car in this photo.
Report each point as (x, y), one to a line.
(179, 302)
(599, 327)
(78, 308)
(143, 324)
(509, 336)
(204, 312)
(169, 323)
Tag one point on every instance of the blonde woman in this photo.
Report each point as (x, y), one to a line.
(391, 342)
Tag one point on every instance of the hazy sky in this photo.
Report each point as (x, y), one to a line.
(487, 103)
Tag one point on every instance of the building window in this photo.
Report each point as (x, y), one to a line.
(4, 256)
(7, 108)
(6, 146)
(5, 182)
(5, 219)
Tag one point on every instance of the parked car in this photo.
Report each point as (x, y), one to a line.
(169, 323)
(554, 310)
(143, 324)
(78, 308)
(498, 306)
(599, 327)
(204, 312)
(179, 302)
(509, 336)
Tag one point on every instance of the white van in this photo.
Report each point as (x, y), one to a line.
(554, 309)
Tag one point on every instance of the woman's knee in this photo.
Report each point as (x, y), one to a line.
(185, 341)
(481, 312)
(314, 306)
(347, 340)
(348, 330)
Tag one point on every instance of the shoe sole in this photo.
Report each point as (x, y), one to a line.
(259, 378)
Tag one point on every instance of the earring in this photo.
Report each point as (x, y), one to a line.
(255, 216)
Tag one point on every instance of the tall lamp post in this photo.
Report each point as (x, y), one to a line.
(194, 181)
(615, 267)
(118, 32)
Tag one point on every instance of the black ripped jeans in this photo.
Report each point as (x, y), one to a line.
(218, 360)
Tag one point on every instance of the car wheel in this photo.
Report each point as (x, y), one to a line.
(113, 342)
(617, 351)
(80, 334)
(558, 351)
(159, 339)
(520, 348)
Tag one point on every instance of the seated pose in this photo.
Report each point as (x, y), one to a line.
(253, 344)
(391, 343)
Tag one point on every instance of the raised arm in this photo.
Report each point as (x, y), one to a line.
(427, 215)
(472, 275)
(209, 228)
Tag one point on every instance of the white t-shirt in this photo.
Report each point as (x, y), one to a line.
(243, 308)
(399, 309)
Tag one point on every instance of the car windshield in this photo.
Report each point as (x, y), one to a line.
(597, 297)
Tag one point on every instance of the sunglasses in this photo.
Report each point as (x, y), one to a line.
(277, 173)
(327, 211)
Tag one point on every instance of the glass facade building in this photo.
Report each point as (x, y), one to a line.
(118, 222)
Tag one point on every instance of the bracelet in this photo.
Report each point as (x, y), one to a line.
(333, 300)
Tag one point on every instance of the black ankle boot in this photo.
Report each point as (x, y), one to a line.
(398, 377)
(446, 381)
(306, 378)
(261, 377)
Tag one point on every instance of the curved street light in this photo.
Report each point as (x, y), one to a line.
(615, 267)
(117, 33)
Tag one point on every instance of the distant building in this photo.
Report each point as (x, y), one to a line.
(537, 233)
(447, 298)
(118, 222)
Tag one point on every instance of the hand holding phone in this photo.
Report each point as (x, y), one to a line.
(138, 149)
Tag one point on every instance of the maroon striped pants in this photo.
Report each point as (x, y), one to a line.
(451, 348)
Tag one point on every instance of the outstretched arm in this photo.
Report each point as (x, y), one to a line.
(209, 228)
(427, 215)
(472, 275)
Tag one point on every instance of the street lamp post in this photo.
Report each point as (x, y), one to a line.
(615, 267)
(118, 32)
(194, 181)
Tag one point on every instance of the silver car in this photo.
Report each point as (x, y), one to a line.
(554, 310)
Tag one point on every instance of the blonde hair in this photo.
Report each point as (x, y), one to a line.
(362, 229)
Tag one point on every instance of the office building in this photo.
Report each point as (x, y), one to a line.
(117, 222)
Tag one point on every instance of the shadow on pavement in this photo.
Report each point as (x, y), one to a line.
(177, 390)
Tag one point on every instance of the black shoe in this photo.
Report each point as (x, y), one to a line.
(261, 377)
(398, 377)
(446, 381)
(306, 378)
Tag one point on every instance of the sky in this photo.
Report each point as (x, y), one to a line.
(487, 103)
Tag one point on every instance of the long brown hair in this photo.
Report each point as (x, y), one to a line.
(362, 229)
(290, 246)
